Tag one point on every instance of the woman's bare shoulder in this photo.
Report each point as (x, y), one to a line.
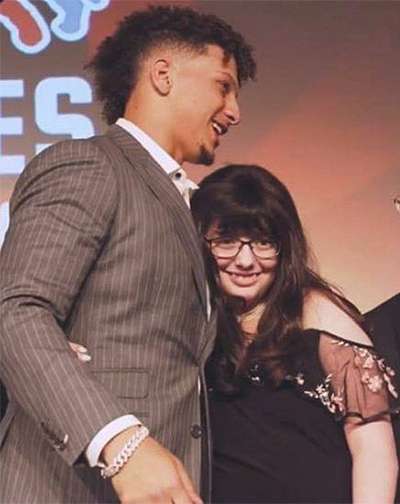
(323, 314)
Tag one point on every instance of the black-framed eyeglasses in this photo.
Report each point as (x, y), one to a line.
(225, 247)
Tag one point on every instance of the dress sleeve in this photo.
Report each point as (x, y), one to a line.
(351, 380)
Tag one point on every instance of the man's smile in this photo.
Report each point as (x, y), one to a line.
(219, 128)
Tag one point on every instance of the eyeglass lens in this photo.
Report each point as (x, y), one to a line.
(227, 247)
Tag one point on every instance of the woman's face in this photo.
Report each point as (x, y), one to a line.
(245, 275)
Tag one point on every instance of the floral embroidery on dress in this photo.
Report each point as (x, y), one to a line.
(374, 383)
(299, 378)
(364, 357)
(323, 392)
(256, 375)
(387, 372)
(367, 362)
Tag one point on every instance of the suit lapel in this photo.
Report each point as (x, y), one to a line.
(165, 191)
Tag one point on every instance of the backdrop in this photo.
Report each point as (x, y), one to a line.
(324, 114)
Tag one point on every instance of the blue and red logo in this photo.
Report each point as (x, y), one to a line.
(31, 33)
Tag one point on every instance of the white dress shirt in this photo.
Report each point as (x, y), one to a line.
(184, 186)
(177, 174)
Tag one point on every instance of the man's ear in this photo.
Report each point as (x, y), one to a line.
(160, 75)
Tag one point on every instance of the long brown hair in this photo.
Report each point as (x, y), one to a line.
(250, 200)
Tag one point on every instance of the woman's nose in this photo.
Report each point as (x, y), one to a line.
(245, 257)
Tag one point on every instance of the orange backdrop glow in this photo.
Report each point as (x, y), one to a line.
(324, 115)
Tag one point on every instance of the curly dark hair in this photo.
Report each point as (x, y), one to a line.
(249, 200)
(117, 60)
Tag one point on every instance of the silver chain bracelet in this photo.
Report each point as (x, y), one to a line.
(127, 451)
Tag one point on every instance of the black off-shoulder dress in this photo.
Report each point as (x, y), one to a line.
(287, 444)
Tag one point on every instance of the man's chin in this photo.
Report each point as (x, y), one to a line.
(205, 157)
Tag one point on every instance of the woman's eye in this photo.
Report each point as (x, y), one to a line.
(264, 243)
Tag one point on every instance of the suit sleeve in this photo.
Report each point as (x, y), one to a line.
(61, 211)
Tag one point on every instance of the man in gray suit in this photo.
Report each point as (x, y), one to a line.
(101, 250)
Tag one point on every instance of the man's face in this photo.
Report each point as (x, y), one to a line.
(204, 104)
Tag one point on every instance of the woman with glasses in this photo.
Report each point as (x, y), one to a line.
(300, 402)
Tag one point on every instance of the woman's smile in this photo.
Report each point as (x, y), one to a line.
(243, 279)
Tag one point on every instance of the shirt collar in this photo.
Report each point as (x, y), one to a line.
(167, 163)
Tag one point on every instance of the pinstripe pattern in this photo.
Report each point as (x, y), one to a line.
(103, 253)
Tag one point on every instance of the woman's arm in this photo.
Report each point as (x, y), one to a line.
(372, 445)
(375, 464)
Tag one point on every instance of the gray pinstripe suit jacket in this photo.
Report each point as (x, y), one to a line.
(101, 250)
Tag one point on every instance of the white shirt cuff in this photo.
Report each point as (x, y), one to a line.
(105, 435)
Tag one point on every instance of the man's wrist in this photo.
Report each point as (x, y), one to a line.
(116, 444)
(129, 448)
(107, 433)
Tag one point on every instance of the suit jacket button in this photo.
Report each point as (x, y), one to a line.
(196, 431)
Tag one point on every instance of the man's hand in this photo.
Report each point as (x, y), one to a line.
(151, 475)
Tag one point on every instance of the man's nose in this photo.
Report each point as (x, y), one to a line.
(232, 110)
(245, 257)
